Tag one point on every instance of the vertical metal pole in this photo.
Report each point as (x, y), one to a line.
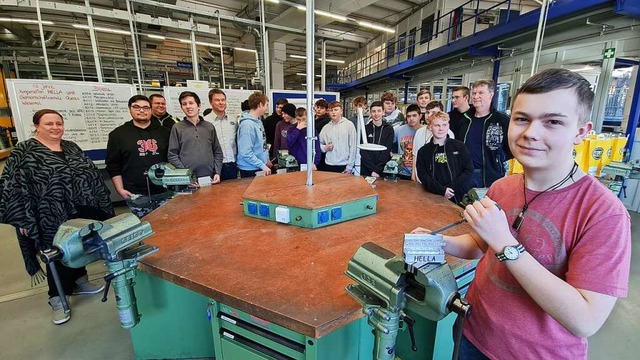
(166, 76)
(79, 58)
(115, 73)
(44, 47)
(323, 67)
(134, 41)
(194, 51)
(537, 46)
(266, 67)
(311, 132)
(221, 52)
(15, 66)
(94, 41)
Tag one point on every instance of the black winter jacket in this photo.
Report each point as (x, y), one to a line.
(455, 174)
(495, 145)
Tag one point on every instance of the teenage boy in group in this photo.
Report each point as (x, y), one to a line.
(443, 165)
(378, 132)
(423, 135)
(359, 103)
(226, 130)
(321, 120)
(392, 115)
(132, 149)
(423, 98)
(485, 134)
(297, 140)
(338, 141)
(271, 121)
(288, 120)
(159, 112)
(253, 154)
(555, 254)
(194, 143)
(461, 106)
(404, 138)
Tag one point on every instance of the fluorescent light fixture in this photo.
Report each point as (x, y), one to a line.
(333, 61)
(330, 15)
(376, 27)
(244, 49)
(26, 21)
(274, 1)
(200, 43)
(297, 56)
(159, 37)
(102, 29)
(301, 7)
(303, 74)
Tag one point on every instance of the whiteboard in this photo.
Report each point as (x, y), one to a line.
(234, 99)
(90, 110)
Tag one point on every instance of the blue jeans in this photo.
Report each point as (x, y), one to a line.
(468, 351)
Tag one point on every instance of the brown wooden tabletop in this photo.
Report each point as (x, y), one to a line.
(284, 274)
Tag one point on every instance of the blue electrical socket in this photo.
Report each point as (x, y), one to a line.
(323, 216)
(336, 213)
(252, 208)
(264, 210)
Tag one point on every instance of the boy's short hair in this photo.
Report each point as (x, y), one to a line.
(388, 97)
(216, 91)
(322, 103)
(335, 104)
(422, 92)
(256, 99)
(153, 96)
(434, 104)
(186, 94)
(359, 101)
(464, 89)
(413, 107)
(376, 103)
(135, 98)
(440, 115)
(300, 112)
(244, 106)
(558, 79)
(491, 85)
(282, 101)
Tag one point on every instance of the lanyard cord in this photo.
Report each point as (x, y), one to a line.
(517, 223)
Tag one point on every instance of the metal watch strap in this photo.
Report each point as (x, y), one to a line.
(501, 257)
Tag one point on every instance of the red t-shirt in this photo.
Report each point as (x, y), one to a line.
(582, 234)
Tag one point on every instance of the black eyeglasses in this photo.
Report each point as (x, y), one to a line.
(141, 108)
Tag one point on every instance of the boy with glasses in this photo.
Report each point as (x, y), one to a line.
(131, 150)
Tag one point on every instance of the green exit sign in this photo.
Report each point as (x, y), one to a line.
(609, 53)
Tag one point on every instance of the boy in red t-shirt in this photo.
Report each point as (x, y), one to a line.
(554, 243)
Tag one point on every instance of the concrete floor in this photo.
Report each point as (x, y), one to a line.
(94, 332)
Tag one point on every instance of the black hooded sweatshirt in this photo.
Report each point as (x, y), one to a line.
(375, 160)
(132, 150)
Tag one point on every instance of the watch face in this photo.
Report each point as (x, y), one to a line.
(511, 253)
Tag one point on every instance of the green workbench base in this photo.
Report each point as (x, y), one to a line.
(174, 322)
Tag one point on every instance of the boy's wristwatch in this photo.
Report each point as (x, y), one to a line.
(511, 252)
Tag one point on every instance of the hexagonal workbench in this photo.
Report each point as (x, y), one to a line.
(251, 276)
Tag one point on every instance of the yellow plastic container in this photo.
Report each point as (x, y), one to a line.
(608, 151)
(580, 155)
(617, 152)
(516, 167)
(596, 154)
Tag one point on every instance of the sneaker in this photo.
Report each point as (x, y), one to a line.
(83, 287)
(59, 316)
